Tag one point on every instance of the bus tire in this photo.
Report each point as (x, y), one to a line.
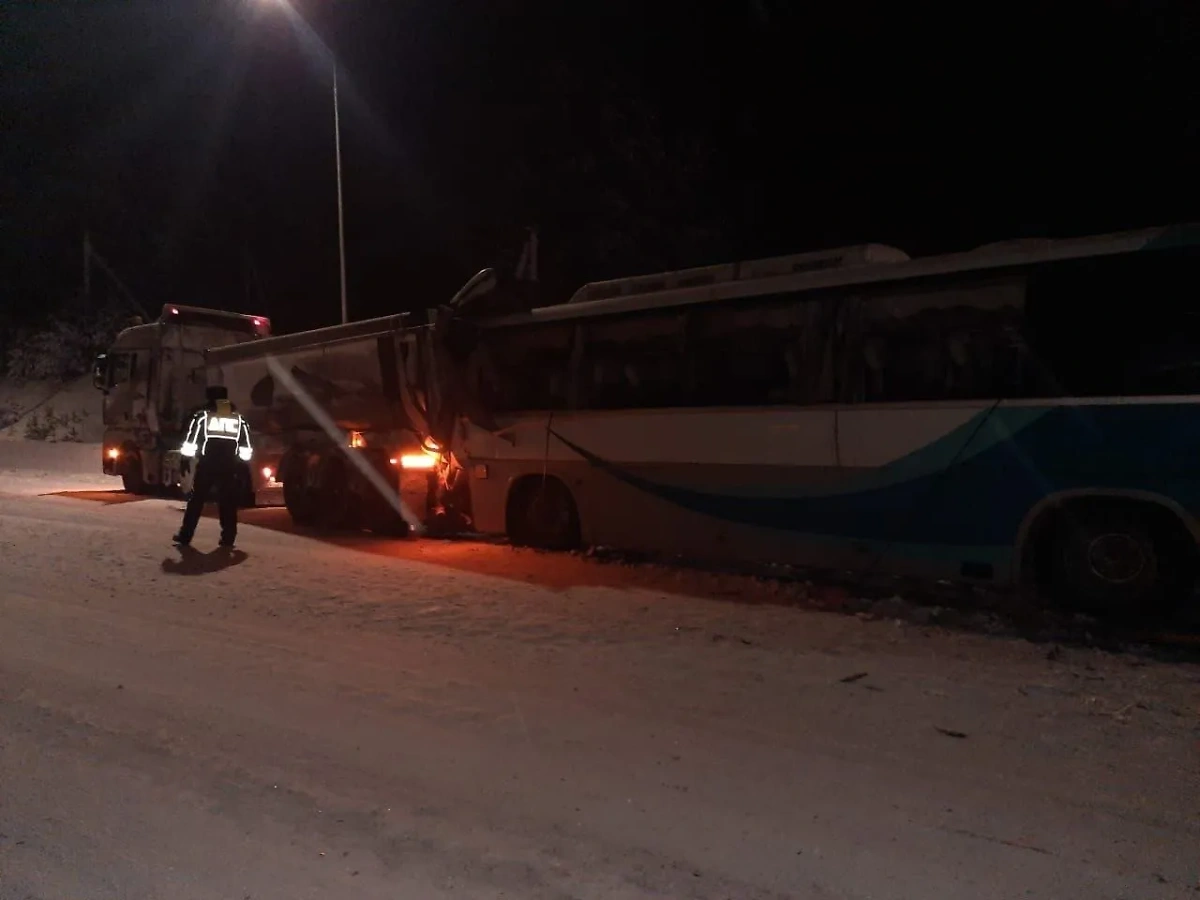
(542, 513)
(1121, 559)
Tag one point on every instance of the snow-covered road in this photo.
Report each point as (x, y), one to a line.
(448, 720)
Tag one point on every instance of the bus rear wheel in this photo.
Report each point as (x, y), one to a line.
(542, 513)
(1121, 560)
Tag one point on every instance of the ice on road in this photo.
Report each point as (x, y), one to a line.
(421, 719)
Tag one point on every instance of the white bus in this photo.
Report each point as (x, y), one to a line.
(1028, 412)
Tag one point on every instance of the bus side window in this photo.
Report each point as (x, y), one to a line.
(764, 351)
(1117, 325)
(634, 362)
(942, 343)
(531, 368)
(813, 353)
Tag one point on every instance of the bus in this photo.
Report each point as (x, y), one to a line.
(1026, 413)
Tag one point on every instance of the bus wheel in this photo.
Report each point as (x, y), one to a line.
(542, 513)
(1121, 560)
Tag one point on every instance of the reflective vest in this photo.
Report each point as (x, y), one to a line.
(222, 423)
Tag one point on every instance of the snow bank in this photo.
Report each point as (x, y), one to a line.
(54, 411)
(42, 467)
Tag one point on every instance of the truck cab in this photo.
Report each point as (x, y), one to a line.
(153, 380)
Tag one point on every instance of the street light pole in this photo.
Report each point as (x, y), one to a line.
(337, 149)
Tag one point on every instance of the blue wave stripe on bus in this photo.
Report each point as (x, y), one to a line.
(979, 433)
(981, 499)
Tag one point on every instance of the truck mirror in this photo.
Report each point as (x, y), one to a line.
(483, 282)
(100, 372)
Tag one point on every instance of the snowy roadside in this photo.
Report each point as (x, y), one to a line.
(550, 727)
(50, 411)
(42, 467)
(65, 418)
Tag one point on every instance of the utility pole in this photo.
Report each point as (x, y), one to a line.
(87, 269)
(337, 149)
(90, 254)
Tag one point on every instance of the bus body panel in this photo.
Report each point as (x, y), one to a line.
(930, 488)
(905, 415)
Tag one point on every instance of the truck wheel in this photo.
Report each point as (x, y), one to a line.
(246, 485)
(133, 477)
(391, 524)
(336, 507)
(300, 502)
(376, 510)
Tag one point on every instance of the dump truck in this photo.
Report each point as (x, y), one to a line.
(350, 423)
(153, 381)
(337, 420)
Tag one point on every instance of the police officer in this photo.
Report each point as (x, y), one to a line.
(216, 438)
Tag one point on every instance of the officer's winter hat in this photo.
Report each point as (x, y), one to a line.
(216, 392)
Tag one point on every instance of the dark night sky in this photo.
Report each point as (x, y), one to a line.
(194, 138)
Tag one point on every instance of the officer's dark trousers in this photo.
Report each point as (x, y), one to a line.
(220, 472)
